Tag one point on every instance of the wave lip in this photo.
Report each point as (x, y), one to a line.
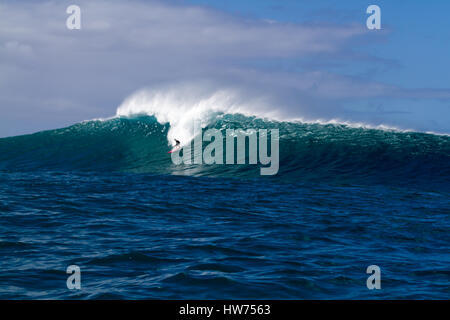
(181, 106)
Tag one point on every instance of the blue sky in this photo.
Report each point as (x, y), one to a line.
(417, 44)
(309, 59)
(419, 31)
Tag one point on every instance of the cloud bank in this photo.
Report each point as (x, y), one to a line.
(51, 76)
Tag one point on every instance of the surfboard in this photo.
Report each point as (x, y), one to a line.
(174, 149)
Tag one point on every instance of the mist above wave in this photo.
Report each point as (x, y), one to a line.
(181, 105)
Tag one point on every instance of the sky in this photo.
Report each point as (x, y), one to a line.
(311, 60)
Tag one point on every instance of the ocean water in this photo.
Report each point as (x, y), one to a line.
(105, 196)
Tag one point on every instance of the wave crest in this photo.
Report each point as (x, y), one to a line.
(181, 105)
(324, 153)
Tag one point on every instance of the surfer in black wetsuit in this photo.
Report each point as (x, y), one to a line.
(176, 146)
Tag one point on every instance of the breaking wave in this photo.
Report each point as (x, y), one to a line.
(324, 152)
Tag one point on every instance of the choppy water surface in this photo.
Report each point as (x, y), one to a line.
(106, 197)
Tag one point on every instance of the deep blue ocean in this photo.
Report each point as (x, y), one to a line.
(105, 196)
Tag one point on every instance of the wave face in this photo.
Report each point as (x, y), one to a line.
(344, 198)
(323, 152)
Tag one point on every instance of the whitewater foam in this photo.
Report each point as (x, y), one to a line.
(182, 105)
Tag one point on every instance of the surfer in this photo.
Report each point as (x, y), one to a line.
(176, 147)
